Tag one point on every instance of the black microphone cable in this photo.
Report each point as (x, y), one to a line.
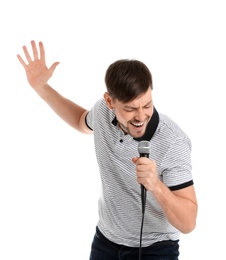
(143, 201)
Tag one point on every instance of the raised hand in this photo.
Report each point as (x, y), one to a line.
(36, 70)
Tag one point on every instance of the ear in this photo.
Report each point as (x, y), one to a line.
(108, 100)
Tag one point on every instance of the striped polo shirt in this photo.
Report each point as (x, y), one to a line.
(120, 211)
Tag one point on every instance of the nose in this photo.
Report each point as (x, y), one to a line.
(140, 115)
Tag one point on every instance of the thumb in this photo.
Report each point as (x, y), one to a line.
(53, 67)
(134, 160)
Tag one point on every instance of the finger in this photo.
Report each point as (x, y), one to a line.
(34, 49)
(21, 60)
(134, 160)
(142, 161)
(42, 51)
(27, 55)
(142, 168)
(53, 67)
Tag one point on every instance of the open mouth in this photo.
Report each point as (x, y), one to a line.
(140, 124)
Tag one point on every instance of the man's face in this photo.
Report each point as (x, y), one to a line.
(133, 116)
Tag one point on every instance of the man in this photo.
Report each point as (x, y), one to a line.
(119, 121)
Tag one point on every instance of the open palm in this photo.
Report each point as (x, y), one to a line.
(36, 70)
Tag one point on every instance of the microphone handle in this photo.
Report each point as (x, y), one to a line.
(143, 197)
(143, 190)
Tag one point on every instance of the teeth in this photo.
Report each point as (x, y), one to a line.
(138, 124)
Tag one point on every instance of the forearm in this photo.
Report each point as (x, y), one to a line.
(181, 211)
(67, 110)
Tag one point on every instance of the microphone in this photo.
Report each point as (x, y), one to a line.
(143, 149)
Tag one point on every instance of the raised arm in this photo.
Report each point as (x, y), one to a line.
(38, 75)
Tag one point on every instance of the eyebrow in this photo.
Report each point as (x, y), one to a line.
(131, 107)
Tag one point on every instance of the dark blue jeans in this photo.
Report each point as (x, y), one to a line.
(103, 249)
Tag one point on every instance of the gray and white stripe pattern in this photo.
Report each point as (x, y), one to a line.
(120, 202)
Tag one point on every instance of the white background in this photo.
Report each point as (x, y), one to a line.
(49, 181)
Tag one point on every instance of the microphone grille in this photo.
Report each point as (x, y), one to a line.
(144, 147)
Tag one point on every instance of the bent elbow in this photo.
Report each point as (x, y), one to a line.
(188, 228)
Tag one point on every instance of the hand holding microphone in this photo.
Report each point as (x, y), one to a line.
(146, 170)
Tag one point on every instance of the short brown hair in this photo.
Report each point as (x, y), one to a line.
(127, 79)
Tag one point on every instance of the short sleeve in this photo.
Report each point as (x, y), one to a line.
(176, 165)
(90, 117)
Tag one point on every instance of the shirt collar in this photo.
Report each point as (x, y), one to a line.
(151, 127)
